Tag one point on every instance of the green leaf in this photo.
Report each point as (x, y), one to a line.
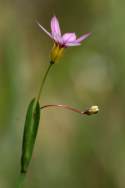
(30, 133)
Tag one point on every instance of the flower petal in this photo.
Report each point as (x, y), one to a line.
(44, 29)
(55, 28)
(69, 37)
(83, 37)
(57, 38)
(72, 44)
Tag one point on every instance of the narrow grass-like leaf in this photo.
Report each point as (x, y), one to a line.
(29, 135)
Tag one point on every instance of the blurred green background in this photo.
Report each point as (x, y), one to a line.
(71, 151)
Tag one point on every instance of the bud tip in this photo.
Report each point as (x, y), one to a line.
(92, 110)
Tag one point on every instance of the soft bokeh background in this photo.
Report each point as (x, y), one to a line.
(71, 151)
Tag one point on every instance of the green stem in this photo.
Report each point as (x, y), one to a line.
(43, 82)
(34, 109)
(20, 181)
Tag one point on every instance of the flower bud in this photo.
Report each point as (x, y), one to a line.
(92, 110)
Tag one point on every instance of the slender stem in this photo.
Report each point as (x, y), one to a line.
(20, 181)
(43, 82)
(65, 107)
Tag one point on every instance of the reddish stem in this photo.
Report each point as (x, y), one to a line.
(65, 107)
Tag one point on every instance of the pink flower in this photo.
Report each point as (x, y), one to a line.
(65, 40)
